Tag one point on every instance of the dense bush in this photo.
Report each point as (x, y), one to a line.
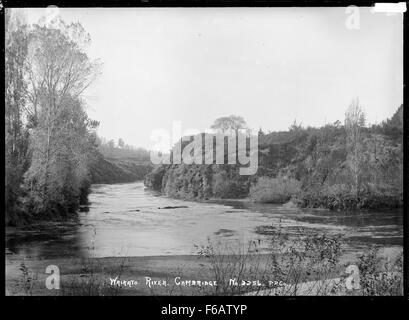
(274, 190)
(380, 196)
(198, 181)
(337, 196)
(50, 140)
(186, 181)
(226, 184)
(339, 167)
(379, 277)
(342, 197)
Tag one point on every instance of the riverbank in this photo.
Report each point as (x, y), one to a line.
(26, 276)
(132, 233)
(96, 276)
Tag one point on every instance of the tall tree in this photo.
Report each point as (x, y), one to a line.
(60, 71)
(230, 123)
(121, 143)
(354, 123)
(16, 136)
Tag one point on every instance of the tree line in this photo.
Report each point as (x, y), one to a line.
(111, 149)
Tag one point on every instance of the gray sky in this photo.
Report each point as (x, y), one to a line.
(269, 65)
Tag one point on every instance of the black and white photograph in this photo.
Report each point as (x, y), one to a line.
(204, 151)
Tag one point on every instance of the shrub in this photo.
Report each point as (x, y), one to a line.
(379, 277)
(377, 196)
(274, 190)
(341, 197)
(225, 186)
(297, 267)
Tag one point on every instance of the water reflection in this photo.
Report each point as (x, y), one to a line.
(59, 240)
(127, 220)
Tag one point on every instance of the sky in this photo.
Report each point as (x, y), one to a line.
(269, 65)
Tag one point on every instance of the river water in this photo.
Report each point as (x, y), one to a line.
(128, 220)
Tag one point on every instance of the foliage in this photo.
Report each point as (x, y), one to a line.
(16, 135)
(59, 164)
(379, 277)
(354, 122)
(295, 267)
(227, 183)
(274, 190)
(231, 123)
(109, 150)
(340, 167)
(50, 141)
(300, 266)
(198, 181)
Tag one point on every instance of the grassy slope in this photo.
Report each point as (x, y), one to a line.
(119, 170)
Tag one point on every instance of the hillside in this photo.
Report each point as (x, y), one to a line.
(119, 162)
(312, 167)
(118, 170)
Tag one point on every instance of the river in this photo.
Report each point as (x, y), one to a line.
(128, 220)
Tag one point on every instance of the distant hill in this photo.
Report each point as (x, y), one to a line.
(119, 170)
(119, 162)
